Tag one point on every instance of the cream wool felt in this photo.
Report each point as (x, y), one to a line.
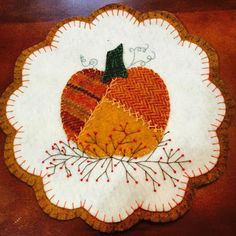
(197, 109)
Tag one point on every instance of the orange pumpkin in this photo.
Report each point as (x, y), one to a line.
(116, 112)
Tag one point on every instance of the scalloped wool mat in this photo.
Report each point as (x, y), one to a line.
(116, 118)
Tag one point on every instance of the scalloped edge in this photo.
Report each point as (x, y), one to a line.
(139, 214)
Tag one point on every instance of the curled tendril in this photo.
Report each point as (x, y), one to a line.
(140, 57)
(91, 63)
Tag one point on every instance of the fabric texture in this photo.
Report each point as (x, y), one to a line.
(114, 65)
(111, 130)
(169, 99)
(145, 94)
(79, 98)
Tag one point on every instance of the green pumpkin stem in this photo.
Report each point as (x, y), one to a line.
(115, 65)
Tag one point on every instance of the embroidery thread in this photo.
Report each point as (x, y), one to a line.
(88, 63)
(141, 55)
(66, 155)
(166, 207)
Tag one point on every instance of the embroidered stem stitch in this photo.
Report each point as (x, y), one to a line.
(141, 55)
(88, 63)
(123, 176)
(66, 155)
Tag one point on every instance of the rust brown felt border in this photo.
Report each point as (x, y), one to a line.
(139, 214)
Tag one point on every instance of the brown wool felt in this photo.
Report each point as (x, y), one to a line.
(139, 214)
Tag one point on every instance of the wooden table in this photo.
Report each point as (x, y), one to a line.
(24, 23)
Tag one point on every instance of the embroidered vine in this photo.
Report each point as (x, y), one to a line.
(88, 63)
(141, 55)
(65, 155)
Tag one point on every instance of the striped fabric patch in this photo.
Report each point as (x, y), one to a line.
(79, 98)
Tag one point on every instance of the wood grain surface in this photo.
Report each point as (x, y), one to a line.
(24, 23)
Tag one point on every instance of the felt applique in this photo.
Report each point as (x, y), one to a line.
(80, 97)
(116, 118)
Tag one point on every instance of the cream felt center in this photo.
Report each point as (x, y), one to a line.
(156, 181)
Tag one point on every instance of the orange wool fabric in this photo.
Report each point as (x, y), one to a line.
(79, 98)
(144, 93)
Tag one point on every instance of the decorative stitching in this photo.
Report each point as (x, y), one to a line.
(144, 93)
(102, 122)
(65, 155)
(90, 63)
(127, 223)
(137, 58)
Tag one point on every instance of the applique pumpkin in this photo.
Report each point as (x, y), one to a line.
(116, 112)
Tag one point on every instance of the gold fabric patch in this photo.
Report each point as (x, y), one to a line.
(112, 130)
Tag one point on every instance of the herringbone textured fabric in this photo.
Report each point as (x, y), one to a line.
(143, 92)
